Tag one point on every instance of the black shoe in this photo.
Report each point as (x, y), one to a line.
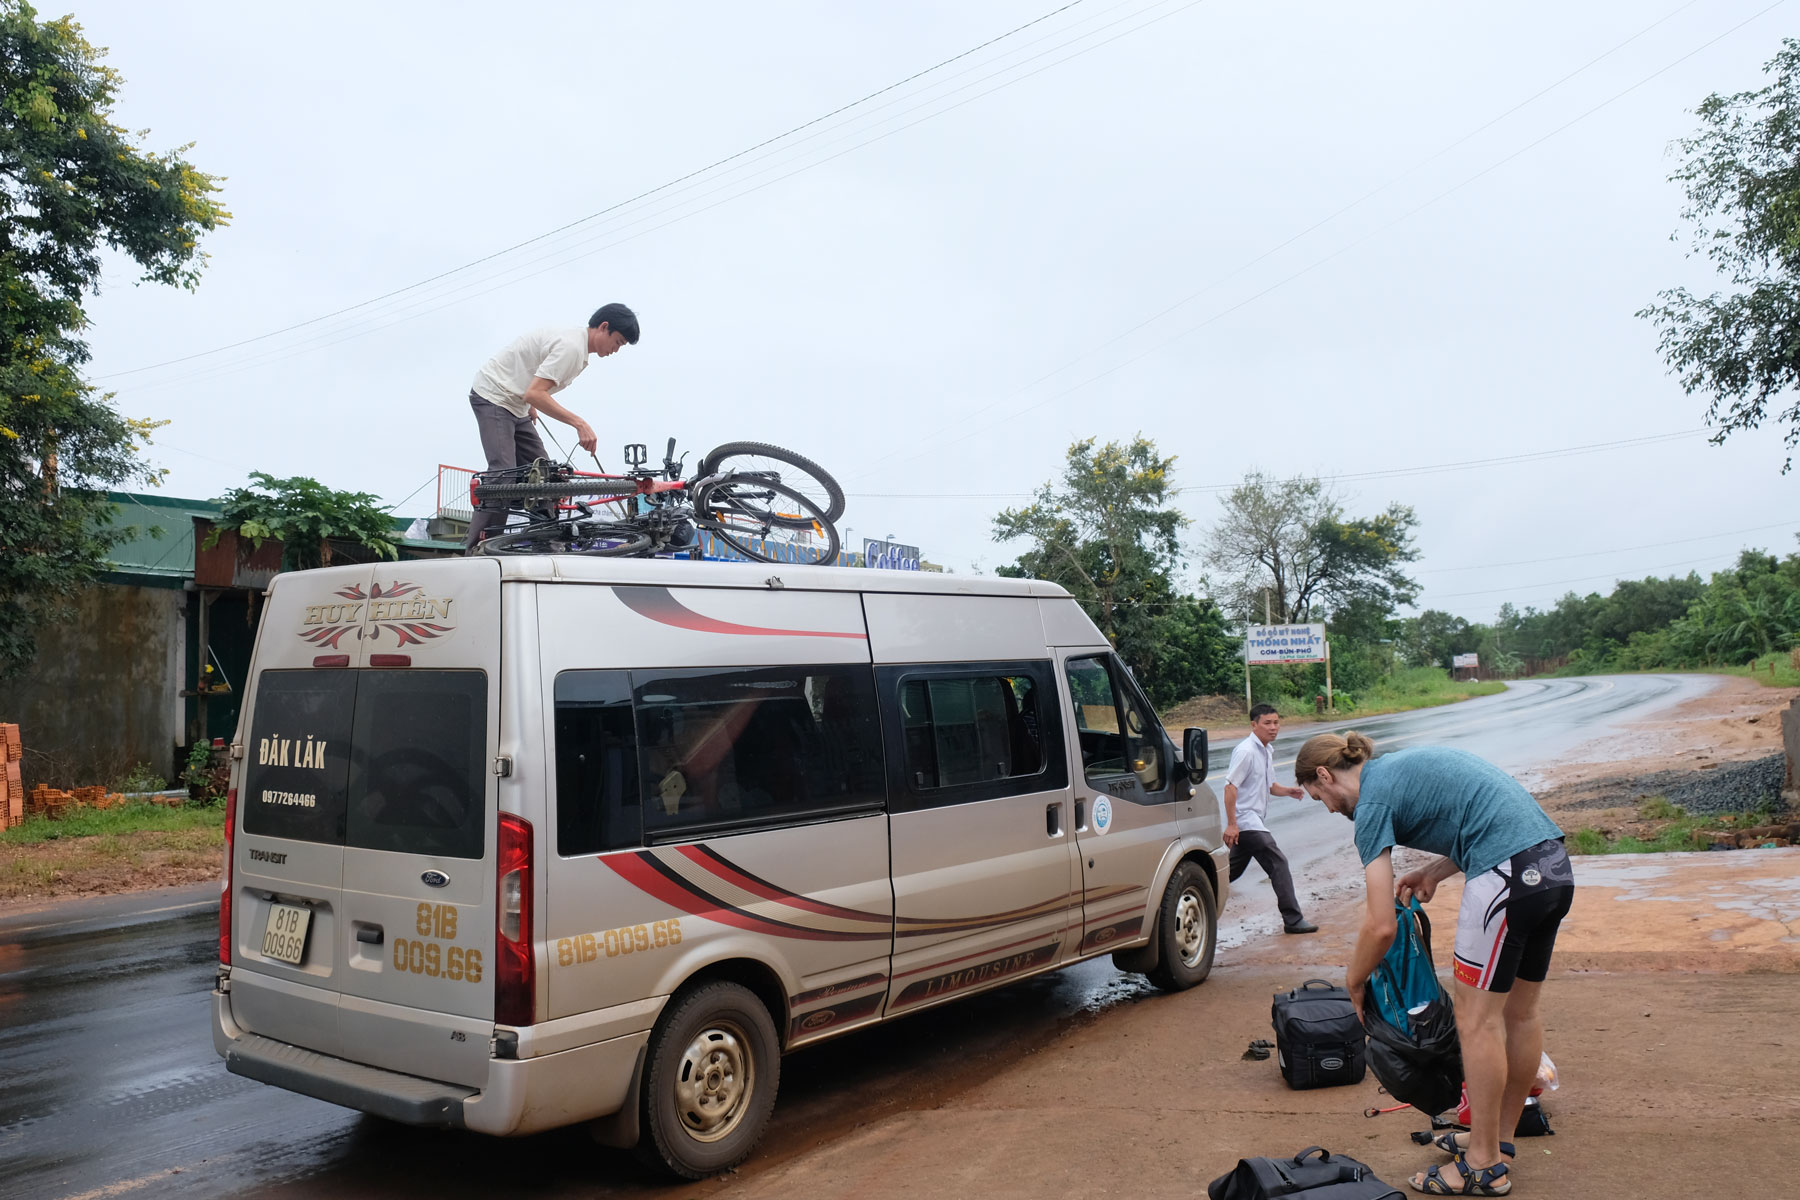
(1302, 926)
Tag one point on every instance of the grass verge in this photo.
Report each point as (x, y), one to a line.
(1662, 827)
(104, 851)
(114, 822)
(1414, 687)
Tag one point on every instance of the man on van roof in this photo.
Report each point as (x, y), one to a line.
(517, 385)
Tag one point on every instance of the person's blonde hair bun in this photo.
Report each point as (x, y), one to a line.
(1332, 752)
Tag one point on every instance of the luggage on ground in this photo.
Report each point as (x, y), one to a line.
(1327, 1177)
(1413, 1047)
(1318, 1040)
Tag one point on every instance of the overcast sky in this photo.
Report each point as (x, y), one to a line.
(1300, 237)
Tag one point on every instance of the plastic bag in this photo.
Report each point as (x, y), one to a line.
(1546, 1076)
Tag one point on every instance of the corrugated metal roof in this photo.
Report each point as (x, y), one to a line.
(159, 535)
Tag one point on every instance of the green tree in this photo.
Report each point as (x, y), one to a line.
(1105, 532)
(72, 185)
(1288, 541)
(304, 515)
(1741, 172)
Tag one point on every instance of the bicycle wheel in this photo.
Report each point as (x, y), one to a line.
(602, 539)
(793, 471)
(784, 527)
(552, 491)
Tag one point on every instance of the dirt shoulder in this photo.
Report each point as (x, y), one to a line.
(109, 864)
(1658, 1015)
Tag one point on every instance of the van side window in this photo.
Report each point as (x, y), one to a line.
(722, 748)
(596, 764)
(964, 732)
(971, 729)
(1117, 735)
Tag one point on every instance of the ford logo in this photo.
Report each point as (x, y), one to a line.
(434, 879)
(817, 1020)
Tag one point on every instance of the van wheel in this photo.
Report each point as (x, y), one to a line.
(711, 1072)
(1188, 930)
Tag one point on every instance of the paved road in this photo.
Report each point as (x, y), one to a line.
(109, 1086)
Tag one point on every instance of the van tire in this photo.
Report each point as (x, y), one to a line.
(713, 1056)
(1188, 930)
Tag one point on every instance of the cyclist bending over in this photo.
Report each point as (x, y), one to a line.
(519, 383)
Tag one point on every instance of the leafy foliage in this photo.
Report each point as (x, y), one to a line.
(1741, 172)
(71, 185)
(1739, 615)
(302, 514)
(1104, 532)
(1288, 540)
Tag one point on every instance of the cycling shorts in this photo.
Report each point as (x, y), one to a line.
(1507, 925)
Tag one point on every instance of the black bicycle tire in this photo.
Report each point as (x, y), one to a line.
(712, 465)
(824, 526)
(638, 542)
(551, 491)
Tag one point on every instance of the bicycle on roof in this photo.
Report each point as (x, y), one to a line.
(767, 504)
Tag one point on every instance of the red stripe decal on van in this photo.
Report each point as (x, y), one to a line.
(731, 873)
(660, 605)
(649, 875)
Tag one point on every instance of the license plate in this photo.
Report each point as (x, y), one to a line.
(284, 937)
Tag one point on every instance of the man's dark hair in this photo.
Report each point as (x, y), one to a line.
(1260, 711)
(617, 318)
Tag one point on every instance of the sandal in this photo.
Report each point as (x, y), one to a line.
(1483, 1181)
(1449, 1145)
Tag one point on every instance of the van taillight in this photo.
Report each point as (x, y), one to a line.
(225, 884)
(515, 983)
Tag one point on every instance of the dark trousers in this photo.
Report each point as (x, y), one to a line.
(1254, 843)
(508, 441)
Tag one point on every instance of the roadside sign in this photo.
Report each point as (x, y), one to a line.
(1284, 644)
(1460, 661)
(891, 556)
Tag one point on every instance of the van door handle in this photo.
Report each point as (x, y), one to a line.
(370, 934)
(1053, 819)
(1080, 814)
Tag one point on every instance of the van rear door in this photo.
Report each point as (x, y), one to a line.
(368, 817)
(418, 895)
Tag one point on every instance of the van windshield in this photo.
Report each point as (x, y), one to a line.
(377, 759)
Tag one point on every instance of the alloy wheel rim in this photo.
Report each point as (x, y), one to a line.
(714, 1082)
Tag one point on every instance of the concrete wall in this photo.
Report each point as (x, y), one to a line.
(103, 693)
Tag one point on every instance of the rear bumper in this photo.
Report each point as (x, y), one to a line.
(521, 1096)
(403, 1098)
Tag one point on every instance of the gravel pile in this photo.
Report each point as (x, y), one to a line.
(1737, 787)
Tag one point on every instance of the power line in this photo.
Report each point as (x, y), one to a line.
(1527, 562)
(1520, 587)
(1317, 263)
(479, 286)
(663, 187)
(1347, 477)
(1325, 220)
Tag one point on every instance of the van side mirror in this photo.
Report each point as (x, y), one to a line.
(1194, 753)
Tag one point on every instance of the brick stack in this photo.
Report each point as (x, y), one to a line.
(46, 801)
(12, 789)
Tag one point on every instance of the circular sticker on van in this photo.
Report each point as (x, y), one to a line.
(1103, 814)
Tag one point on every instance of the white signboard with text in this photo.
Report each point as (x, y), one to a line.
(1465, 660)
(1284, 644)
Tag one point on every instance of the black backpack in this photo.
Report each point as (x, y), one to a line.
(1326, 1178)
(1318, 1039)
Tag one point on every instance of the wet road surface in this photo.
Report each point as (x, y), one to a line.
(109, 1086)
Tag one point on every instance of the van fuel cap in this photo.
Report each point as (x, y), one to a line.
(434, 879)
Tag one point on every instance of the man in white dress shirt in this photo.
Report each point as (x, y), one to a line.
(1248, 784)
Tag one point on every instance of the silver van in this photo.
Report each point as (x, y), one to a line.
(521, 842)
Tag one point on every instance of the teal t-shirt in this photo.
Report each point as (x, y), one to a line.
(1446, 802)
